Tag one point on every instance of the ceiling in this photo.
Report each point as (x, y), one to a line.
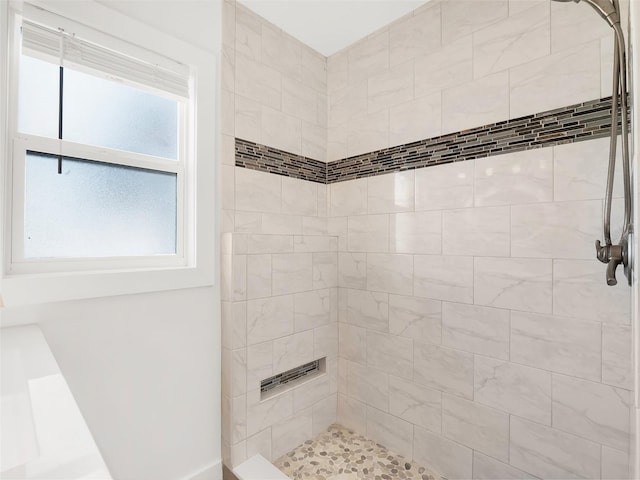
(328, 26)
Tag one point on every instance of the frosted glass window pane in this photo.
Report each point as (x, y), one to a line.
(96, 209)
(38, 97)
(106, 113)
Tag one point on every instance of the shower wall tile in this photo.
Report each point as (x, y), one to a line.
(416, 404)
(299, 198)
(325, 342)
(268, 243)
(311, 309)
(353, 343)
(592, 410)
(416, 318)
(292, 350)
(288, 434)
(443, 278)
(390, 87)
(368, 56)
(348, 198)
(265, 413)
(514, 388)
(444, 456)
(476, 231)
(580, 291)
(416, 232)
(443, 369)
(310, 393)
(615, 464)
(616, 356)
(445, 186)
(559, 344)
(556, 230)
(514, 178)
(390, 354)
(259, 364)
(260, 443)
(292, 272)
(393, 432)
(391, 193)
(415, 119)
(390, 273)
(367, 132)
(418, 35)
(476, 426)
(352, 270)
(447, 67)
(467, 16)
(352, 413)
(258, 276)
(258, 191)
(368, 233)
(325, 269)
(324, 414)
(476, 329)
(269, 318)
(368, 385)
(368, 309)
(575, 26)
(514, 283)
(487, 468)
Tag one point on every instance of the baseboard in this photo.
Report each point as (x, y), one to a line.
(211, 472)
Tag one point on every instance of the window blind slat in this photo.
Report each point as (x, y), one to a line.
(47, 41)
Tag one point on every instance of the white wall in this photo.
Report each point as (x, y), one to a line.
(145, 369)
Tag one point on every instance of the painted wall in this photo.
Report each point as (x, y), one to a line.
(145, 369)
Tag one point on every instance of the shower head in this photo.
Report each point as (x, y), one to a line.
(605, 8)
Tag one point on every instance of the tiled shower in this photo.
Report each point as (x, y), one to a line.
(389, 210)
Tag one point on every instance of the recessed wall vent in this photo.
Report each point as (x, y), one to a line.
(272, 385)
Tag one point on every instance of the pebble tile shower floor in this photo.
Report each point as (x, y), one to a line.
(341, 454)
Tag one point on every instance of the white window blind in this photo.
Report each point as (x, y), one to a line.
(58, 45)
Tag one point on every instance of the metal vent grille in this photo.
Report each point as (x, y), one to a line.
(289, 376)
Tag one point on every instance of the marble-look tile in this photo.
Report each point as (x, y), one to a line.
(390, 353)
(299, 100)
(415, 36)
(348, 198)
(281, 51)
(476, 103)
(368, 56)
(487, 468)
(448, 458)
(337, 136)
(260, 443)
(390, 87)
(368, 309)
(416, 404)
(325, 341)
(269, 244)
(580, 290)
(513, 41)
(239, 326)
(514, 283)
(558, 344)
(258, 276)
(265, 413)
(556, 230)
(238, 375)
(248, 37)
(314, 69)
(238, 419)
(258, 82)
(314, 141)
(516, 389)
(479, 427)
(292, 351)
(476, 231)
(347, 102)
(443, 277)
(248, 222)
(615, 464)
(392, 273)
(237, 453)
(258, 191)
(443, 369)
(352, 413)
(281, 131)
(463, 17)
(325, 269)
(616, 356)
(444, 68)
(368, 385)
(311, 309)
(513, 178)
(416, 318)
(288, 434)
(324, 414)
(227, 187)
(248, 120)
(476, 329)
(571, 27)
(352, 270)
(580, 170)
(276, 224)
(415, 120)
(269, 318)
(299, 197)
(416, 232)
(368, 132)
(316, 226)
(445, 186)
(550, 453)
(239, 279)
(338, 227)
(518, 6)
(292, 272)
(314, 243)
(368, 233)
(337, 70)
(259, 364)
(309, 393)
(352, 343)
(564, 78)
(392, 432)
(592, 410)
(389, 193)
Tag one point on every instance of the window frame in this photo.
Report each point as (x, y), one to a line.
(196, 259)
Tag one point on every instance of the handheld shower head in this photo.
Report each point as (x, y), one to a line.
(605, 8)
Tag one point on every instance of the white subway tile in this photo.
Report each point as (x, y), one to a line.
(325, 341)
(314, 243)
(311, 392)
(292, 351)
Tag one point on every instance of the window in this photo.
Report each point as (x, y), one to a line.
(102, 157)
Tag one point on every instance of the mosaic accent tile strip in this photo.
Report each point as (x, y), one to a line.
(580, 122)
(341, 454)
(271, 160)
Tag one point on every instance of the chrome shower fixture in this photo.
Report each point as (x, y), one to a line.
(609, 253)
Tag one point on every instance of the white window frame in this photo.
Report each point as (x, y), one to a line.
(27, 281)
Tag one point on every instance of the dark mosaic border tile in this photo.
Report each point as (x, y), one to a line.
(574, 123)
(579, 122)
(271, 160)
